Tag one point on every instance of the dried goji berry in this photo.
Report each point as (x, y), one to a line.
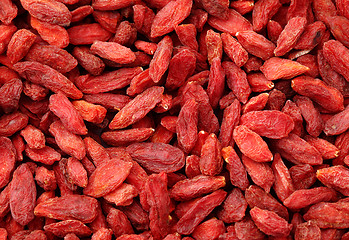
(98, 186)
(314, 123)
(39, 74)
(283, 185)
(270, 223)
(67, 141)
(260, 173)
(328, 215)
(199, 211)
(181, 66)
(20, 44)
(232, 24)
(259, 122)
(7, 160)
(87, 34)
(237, 81)
(276, 68)
(169, 16)
(22, 195)
(262, 12)
(256, 44)
(186, 127)
(327, 97)
(297, 150)
(70, 117)
(53, 34)
(237, 172)
(60, 229)
(211, 162)
(157, 157)
(233, 208)
(155, 198)
(192, 188)
(10, 94)
(137, 108)
(289, 36)
(306, 197)
(234, 49)
(251, 144)
(257, 197)
(210, 229)
(331, 50)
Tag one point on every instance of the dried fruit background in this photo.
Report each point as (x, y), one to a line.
(182, 119)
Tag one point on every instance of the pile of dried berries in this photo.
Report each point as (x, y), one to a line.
(183, 119)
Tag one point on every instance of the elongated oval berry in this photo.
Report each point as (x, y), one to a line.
(52, 56)
(251, 144)
(53, 34)
(107, 177)
(70, 117)
(327, 149)
(61, 229)
(8, 11)
(260, 173)
(326, 96)
(270, 223)
(186, 128)
(20, 44)
(87, 33)
(48, 77)
(70, 207)
(7, 160)
(305, 197)
(181, 66)
(137, 108)
(237, 81)
(234, 49)
(125, 137)
(339, 28)
(170, 16)
(211, 161)
(283, 185)
(199, 210)
(256, 44)
(233, 208)
(232, 24)
(312, 35)
(277, 68)
(231, 118)
(157, 157)
(263, 11)
(329, 215)
(297, 150)
(208, 121)
(161, 59)
(67, 141)
(113, 51)
(23, 195)
(192, 188)
(335, 177)
(218, 9)
(337, 55)
(289, 36)
(257, 197)
(107, 5)
(106, 82)
(268, 123)
(50, 11)
(312, 117)
(338, 123)
(238, 174)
